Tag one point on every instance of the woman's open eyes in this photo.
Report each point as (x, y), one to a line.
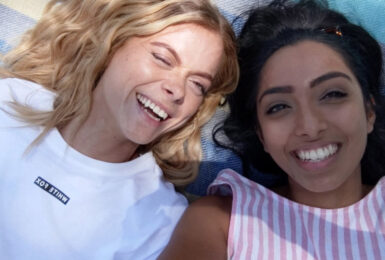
(276, 108)
(334, 94)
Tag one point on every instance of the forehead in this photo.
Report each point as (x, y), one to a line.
(187, 29)
(188, 36)
(196, 46)
(300, 63)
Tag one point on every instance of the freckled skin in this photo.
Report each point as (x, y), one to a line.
(167, 69)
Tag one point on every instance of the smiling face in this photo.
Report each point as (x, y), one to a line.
(155, 84)
(312, 117)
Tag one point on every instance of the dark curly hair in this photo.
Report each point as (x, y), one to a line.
(283, 23)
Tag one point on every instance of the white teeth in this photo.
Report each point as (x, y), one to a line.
(326, 151)
(163, 114)
(154, 108)
(313, 155)
(319, 154)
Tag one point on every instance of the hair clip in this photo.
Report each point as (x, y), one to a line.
(332, 30)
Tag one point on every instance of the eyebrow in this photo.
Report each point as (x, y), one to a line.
(203, 75)
(327, 76)
(169, 48)
(313, 83)
(178, 60)
(276, 90)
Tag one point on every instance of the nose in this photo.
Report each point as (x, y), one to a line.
(310, 122)
(174, 87)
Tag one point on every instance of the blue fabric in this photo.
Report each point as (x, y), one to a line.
(12, 25)
(369, 14)
(235, 10)
(214, 158)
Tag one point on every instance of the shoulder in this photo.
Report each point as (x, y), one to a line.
(211, 212)
(212, 207)
(26, 93)
(229, 183)
(203, 230)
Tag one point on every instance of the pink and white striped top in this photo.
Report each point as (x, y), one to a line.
(265, 225)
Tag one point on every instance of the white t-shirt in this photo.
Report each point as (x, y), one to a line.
(56, 203)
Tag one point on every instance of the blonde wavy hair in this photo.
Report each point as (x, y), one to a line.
(72, 44)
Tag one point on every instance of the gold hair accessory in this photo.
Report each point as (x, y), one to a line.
(333, 30)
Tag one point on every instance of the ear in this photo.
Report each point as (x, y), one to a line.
(370, 116)
(260, 137)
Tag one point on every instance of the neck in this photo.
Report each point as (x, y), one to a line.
(330, 200)
(95, 140)
(350, 192)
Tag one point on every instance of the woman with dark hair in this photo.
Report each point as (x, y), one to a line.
(308, 106)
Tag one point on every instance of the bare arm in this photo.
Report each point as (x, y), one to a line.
(202, 231)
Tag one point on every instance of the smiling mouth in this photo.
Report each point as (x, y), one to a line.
(152, 109)
(317, 155)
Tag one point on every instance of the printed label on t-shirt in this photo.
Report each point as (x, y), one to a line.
(48, 187)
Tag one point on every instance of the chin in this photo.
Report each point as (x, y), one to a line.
(322, 187)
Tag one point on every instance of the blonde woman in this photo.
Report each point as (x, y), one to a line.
(95, 97)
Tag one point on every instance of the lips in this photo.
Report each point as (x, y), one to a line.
(317, 155)
(151, 108)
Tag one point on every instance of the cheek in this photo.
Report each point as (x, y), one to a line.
(193, 102)
(274, 137)
(189, 110)
(133, 67)
(352, 120)
(275, 133)
(352, 126)
(357, 133)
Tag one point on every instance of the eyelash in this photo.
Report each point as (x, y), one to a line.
(161, 59)
(167, 63)
(335, 94)
(329, 95)
(201, 87)
(276, 108)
